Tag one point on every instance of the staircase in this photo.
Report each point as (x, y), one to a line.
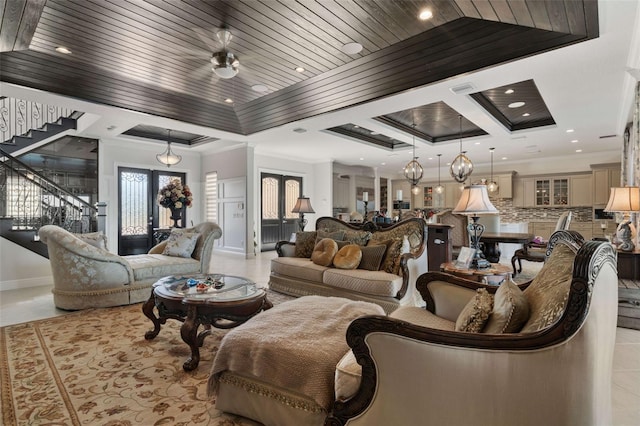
(28, 200)
(23, 124)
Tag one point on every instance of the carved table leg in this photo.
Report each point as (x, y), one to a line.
(147, 309)
(189, 333)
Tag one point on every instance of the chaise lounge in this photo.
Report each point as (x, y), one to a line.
(87, 275)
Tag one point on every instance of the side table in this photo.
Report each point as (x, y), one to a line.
(481, 275)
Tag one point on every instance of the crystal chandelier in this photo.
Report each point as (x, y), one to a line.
(413, 171)
(461, 166)
(492, 186)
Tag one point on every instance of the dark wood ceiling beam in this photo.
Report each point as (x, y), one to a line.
(18, 21)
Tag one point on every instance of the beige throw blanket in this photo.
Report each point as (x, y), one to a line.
(295, 345)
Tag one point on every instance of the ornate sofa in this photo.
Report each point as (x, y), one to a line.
(390, 288)
(414, 368)
(86, 275)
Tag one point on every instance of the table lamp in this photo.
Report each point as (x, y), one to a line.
(474, 201)
(303, 205)
(624, 200)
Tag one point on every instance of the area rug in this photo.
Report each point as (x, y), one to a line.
(94, 367)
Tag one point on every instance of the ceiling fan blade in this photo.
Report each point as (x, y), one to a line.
(208, 38)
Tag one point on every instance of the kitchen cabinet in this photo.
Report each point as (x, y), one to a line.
(524, 192)
(581, 193)
(505, 186)
(451, 194)
(542, 229)
(603, 180)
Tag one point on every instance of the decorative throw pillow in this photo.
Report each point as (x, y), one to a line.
(305, 242)
(324, 252)
(372, 257)
(348, 257)
(357, 237)
(391, 260)
(96, 239)
(181, 244)
(510, 310)
(475, 314)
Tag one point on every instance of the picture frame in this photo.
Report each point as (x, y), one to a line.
(465, 257)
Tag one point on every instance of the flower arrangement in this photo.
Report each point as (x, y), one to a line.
(175, 195)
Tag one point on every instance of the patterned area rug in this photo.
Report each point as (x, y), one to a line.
(95, 367)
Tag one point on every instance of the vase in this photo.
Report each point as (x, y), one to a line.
(176, 215)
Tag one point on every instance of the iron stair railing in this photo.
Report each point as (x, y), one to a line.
(32, 200)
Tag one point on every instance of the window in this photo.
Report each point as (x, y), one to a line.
(211, 197)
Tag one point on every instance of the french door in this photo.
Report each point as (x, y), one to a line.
(138, 212)
(278, 197)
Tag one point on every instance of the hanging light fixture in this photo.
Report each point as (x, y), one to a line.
(461, 167)
(168, 157)
(492, 186)
(413, 171)
(439, 189)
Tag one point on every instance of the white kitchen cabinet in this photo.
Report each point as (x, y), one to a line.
(580, 190)
(603, 180)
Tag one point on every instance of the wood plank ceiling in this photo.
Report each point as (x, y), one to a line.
(153, 55)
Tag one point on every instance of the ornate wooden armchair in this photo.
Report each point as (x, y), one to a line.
(537, 251)
(416, 369)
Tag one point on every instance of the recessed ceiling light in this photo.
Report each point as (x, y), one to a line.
(509, 91)
(477, 143)
(430, 158)
(516, 104)
(578, 150)
(526, 114)
(574, 141)
(62, 49)
(259, 88)
(300, 69)
(229, 100)
(570, 130)
(355, 126)
(361, 158)
(425, 14)
(351, 48)
(504, 158)
(373, 133)
(383, 164)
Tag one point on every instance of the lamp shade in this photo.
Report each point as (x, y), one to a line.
(626, 199)
(474, 200)
(303, 205)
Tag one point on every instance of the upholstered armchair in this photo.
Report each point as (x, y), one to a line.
(87, 275)
(553, 370)
(537, 251)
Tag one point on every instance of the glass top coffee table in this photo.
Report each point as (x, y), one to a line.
(219, 300)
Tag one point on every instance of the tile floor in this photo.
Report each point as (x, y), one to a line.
(18, 306)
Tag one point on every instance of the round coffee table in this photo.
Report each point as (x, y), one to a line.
(222, 301)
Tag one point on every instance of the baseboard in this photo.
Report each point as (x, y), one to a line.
(27, 282)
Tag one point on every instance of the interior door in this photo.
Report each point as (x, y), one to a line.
(278, 196)
(138, 212)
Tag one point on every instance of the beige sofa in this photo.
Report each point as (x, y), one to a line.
(299, 276)
(86, 275)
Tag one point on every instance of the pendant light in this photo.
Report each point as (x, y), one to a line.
(492, 186)
(439, 189)
(413, 171)
(461, 166)
(168, 157)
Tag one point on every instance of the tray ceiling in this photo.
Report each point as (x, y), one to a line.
(153, 56)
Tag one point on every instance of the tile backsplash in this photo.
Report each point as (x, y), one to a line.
(510, 214)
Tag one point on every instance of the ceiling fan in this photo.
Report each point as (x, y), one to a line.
(225, 64)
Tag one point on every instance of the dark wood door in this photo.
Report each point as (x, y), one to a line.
(278, 196)
(138, 212)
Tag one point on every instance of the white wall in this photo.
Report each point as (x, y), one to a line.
(20, 268)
